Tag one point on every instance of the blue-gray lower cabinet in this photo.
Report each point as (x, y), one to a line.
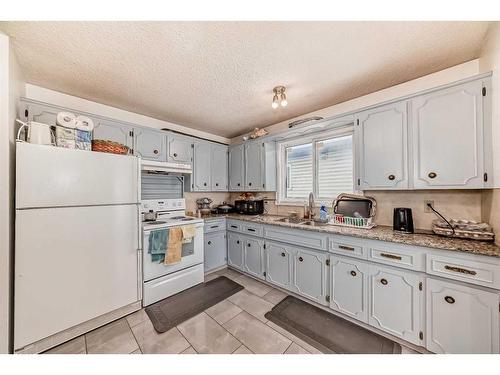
(279, 264)
(215, 250)
(253, 256)
(310, 275)
(235, 250)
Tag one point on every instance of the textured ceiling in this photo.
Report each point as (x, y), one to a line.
(218, 76)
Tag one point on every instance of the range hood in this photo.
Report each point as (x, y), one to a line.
(165, 167)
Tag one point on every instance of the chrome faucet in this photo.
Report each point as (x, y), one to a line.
(310, 207)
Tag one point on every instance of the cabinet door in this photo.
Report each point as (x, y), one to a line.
(236, 168)
(151, 144)
(395, 302)
(235, 250)
(448, 138)
(43, 114)
(310, 274)
(279, 264)
(253, 253)
(215, 250)
(114, 131)
(180, 149)
(254, 166)
(383, 155)
(349, 287)
(201, 166)
(219, 168)
(461, 319)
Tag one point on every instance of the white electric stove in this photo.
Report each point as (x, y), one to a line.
(159, 280)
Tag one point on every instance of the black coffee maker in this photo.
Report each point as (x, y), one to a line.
(402, 220)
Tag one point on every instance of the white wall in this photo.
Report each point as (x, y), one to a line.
(78, 104)
(442, 77)
(11, 89)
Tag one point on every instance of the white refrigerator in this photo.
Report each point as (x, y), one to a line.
(77, 250)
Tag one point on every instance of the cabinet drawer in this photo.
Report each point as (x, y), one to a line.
(215, 225)
(296, 237)
(234, 225)
(385, 253)
(252, 229)
(469, 271)
(348, 247)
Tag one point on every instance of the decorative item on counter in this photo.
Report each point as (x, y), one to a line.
(84, 128)
(111, 147)
(204, 205)
(246, 196)
(468, 229)
(66, 130)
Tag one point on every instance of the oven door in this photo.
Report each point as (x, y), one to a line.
(192, 254)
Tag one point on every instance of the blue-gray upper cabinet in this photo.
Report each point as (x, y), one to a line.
(382, 135)
(201, 179)
(448, 135)
(114, 131)
(180, 148)
(150, 144)
(219, 155)
(39, 113)
(252, 166)
(236, 168)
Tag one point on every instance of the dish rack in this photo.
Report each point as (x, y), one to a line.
(353, 222)
(471, 230)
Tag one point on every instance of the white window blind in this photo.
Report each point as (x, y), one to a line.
(323, 166)
(334, 161)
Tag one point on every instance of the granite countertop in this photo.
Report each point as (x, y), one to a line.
(381, 233)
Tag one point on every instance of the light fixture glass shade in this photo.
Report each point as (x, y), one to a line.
(284, 102)
(275, 103)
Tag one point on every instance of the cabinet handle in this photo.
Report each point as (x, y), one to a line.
(353, 273)
(249, 184)
(383, 281)
(238, 242)
(390, 256)
(155, 151)
(204, 184)
(250, 229)
(282, 254)
(216, 184)
(239, 184)
(432, 175)
(234, 226)
(175, 154)
(449, 299)
(209, 242)
(214, 226)
(343, 247)
(460, 270)
(391, 177)
(249, 245)
(301, 259)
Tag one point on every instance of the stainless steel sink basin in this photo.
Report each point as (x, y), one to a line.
(292, 220)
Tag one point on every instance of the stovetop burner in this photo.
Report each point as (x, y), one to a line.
(153, 222)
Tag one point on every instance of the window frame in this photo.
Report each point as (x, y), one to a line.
(341, 131)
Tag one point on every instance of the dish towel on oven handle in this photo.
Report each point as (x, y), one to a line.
(158, 240)
(188, 232)
(174, 248)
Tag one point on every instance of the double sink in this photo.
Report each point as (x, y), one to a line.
(294, 220)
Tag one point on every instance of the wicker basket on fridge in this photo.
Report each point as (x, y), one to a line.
(111, 147)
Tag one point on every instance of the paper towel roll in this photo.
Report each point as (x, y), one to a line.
(84, 123)
(66, 119)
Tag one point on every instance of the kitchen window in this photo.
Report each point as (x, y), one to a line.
(322, 164)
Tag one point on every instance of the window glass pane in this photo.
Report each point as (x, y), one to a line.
(299, 176)
(334, 166)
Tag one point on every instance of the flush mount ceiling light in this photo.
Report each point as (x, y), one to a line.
(279, 97)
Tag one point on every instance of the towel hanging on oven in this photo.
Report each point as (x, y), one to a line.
(158, 240)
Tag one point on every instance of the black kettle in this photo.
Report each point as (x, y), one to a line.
(402, 220)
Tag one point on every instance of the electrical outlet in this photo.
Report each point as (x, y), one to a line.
(426, 207)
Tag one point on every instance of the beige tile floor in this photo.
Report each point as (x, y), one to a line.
(236, 325)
